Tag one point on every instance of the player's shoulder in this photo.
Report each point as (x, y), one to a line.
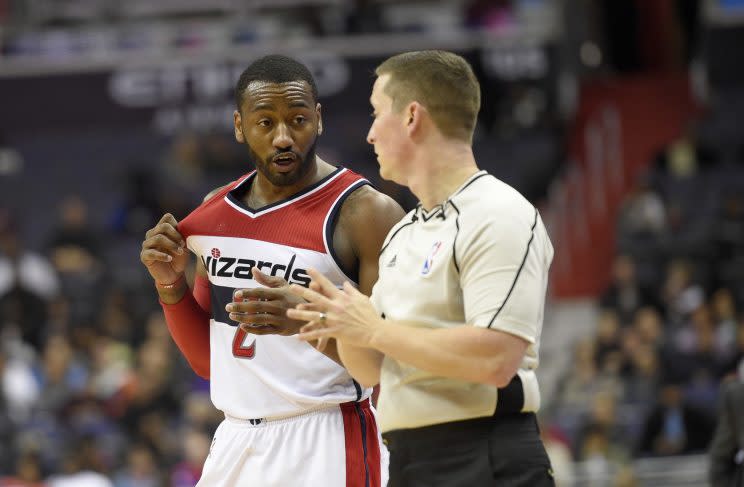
(221, 190)
(215, 192)
(367, 212)
(366, 198)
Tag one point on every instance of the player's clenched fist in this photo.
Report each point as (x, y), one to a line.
(164, 252)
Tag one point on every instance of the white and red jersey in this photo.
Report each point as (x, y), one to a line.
(269, 376)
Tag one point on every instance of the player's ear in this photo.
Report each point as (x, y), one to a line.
(320, 119)
(238, 127)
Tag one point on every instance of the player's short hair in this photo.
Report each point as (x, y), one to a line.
(441, 81)
(274, 68)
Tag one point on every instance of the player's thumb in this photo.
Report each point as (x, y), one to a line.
(266, 280)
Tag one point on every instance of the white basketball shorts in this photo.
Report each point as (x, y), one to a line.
(336, 446)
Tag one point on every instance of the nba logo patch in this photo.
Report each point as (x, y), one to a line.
(430, 258)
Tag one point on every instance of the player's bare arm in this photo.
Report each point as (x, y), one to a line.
(366, 218)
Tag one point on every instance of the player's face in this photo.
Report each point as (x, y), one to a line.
(387, 133)
(280, 124)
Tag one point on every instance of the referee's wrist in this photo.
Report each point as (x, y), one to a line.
(379, 333)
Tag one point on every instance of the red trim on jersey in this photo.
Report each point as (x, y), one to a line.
(360, 431)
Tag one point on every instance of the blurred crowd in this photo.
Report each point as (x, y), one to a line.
(671, 322)
(93, 392)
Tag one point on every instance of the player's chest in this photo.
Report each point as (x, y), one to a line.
(230, 261)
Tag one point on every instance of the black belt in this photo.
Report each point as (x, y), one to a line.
(510, 398)
(509, 405)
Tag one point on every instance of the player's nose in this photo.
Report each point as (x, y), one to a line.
(282, 137)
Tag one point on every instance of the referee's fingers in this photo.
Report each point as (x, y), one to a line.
(315, 334)
(311, 296)
(309, 307)
(302, 315)
(327, 288)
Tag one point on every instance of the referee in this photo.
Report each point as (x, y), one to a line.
(452, 330)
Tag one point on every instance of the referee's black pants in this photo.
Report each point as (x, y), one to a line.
(500, 451)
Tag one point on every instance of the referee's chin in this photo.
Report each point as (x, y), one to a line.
(388, 175)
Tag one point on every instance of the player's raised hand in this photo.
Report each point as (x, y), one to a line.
(263, 310)
(164, 251)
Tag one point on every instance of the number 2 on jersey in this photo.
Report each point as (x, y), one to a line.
(239, 350)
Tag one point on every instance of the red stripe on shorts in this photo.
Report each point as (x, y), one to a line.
(360, 431)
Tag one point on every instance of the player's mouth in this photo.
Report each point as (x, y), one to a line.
(285, 162)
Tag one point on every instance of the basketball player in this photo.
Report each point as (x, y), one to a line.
(293, 415)
(452, 330)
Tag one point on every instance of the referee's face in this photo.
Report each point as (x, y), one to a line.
(387, 133)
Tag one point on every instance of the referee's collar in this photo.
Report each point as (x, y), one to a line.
(439, 210)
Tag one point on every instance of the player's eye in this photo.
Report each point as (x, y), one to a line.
(300, 120)
(264, 122)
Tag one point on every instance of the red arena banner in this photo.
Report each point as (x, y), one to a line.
(620, 126)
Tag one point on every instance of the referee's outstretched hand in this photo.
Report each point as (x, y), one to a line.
(344, 314)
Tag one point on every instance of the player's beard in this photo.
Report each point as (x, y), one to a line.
(304, 164)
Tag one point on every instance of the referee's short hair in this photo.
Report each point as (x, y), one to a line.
(274, 68)
(441, 81)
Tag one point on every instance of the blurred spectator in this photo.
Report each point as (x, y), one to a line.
(674, 427)
(728, 238)
(80, 467)
(608, 335)
(625, 293)
(183, 163)
(74, 242)
(19, 390)
(643, 382)
(724, 315)
(680, 294)
(60, 376)
(686, 156)
(642, 214)
(74, 248)
(26, 281)
(28, 472)
(140, 204)
(20, 266)
(649, 326)
(597, 453)
(116, 319)
(196, 448)
(141, 469)
(625, 477)
(727, 448)
(731, 365)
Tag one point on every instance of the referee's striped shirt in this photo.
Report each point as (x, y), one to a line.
(479, 259)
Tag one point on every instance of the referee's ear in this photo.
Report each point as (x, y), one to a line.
(414, 114)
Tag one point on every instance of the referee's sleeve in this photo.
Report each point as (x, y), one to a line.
(504, 261)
